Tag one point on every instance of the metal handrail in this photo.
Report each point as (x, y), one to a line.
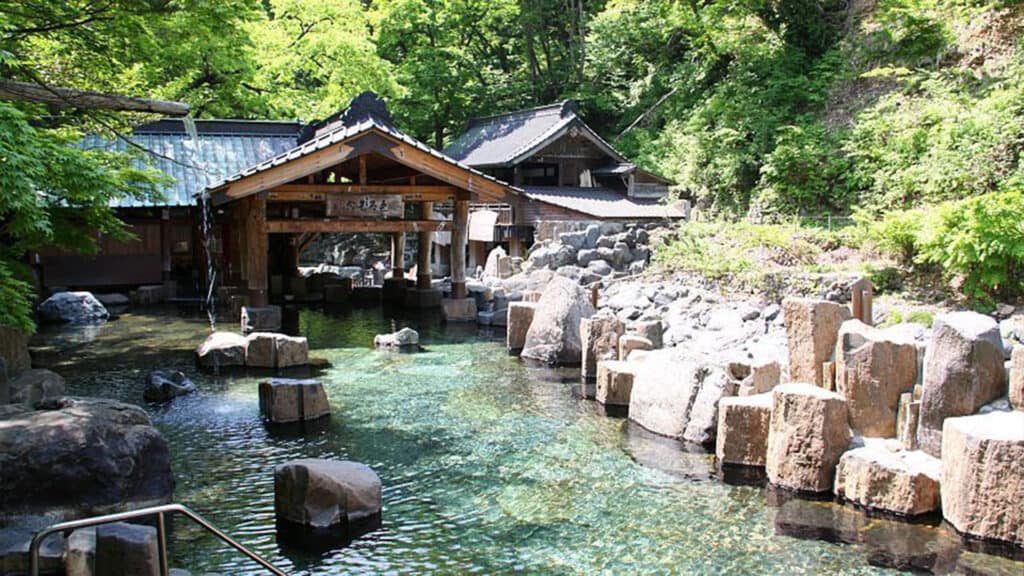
(159, 511)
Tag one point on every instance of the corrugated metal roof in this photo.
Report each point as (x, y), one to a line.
(341, 133)
(507, 139)
(603, 203)
(234, 146)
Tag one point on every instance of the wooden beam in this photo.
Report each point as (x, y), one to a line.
(320, 192)
(362, 170)
(284, 173)
(355, 226)
(85, 99)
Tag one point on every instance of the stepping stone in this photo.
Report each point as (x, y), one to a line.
(902, 482)
(284, 400)
(321, 493)
(222, 349)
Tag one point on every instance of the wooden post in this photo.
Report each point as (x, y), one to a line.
(165, 244)
(861, 293)
(423, 277)
(460, 234)
(397, 255)
(256, 249)
(515, 246)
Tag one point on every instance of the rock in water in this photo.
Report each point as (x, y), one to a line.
(404, 338)
(123, 548)
(983, 475)
(742, 437)
(599, 336)
(222, 349)
(812, 328)
(35, 385)
(873, 367)
(73, 308)
(614, 382)
(554, 334)
(903, 482)
(520, 316)
(323, 493)
(284, 400)
(164, 385)
(84, 456)
(809, 431)
(963, 371)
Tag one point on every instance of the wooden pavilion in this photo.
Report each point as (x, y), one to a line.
(354, 172)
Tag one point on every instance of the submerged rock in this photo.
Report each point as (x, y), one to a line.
(404, 338)
(164, 385)
(84, 456)
(73, 308)
(323, 493)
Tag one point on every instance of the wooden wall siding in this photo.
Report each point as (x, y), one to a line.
(573, 156)
(533, 212)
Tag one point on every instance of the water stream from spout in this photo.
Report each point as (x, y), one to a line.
(207, 219)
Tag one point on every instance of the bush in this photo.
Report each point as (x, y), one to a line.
(896, 233)
(981, 239)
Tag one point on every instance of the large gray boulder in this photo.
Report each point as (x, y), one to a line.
(873, 367)
(554, 334)
(85, 456)
(36, 384)
(164, 385)
(983, 475)
(323, 493)
(73, 308)
(963, 371)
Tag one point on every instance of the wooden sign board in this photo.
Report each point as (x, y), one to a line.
(381, 206)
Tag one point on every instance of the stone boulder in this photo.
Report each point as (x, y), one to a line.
(599, 335)
(755, 377)
(284, 400)
(260, 319)
(406, 338)
(631, 342)
(35, 385)
(963, 370)
(520, 316)
(554, 334)
(902, 482)
(742, 437)
(72, 308)
(812, 329)
(113, 300)
(123, 548)
(222, 349)
(165, 385)
(261, 350)
(650, 329)
(983, 475)
(808, 433)
(1017, 378)
(291, 350)
(324, 493)
(614, 382)
(873, 367)
(82, 456)
(714, 386)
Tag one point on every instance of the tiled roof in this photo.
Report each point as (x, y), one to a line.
(344, 132)
(225, 147)
(506, 139)
(603, 203)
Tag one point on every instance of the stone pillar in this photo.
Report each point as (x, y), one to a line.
(423, 277)
(460, 234)
(398, 255)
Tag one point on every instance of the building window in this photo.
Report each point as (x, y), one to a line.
(540, 174)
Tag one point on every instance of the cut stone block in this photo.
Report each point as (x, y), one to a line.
(743, 429)
(323, 493)
(809, 432)
(599, 335)
(903, 482)
(1017, 378)
(812, 329)
(15, 540)
(123, 548)
(652, 330)
(80, 553)
(520, 316)
(222, 349)
(459, 310)
(291, 350)
(873, 367)
(531, 295)
(614, 382)
(755, 378)
(963, 371)
(284, 400)
(630, 342)
(261, 350)
(260, 319)
(983, 475)
(907, 420)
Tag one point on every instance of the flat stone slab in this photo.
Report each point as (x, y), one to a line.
(284, 400)
(983, 475)
(743, 422)
(905, 482)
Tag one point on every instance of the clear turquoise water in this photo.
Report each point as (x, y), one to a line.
(488, 466)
